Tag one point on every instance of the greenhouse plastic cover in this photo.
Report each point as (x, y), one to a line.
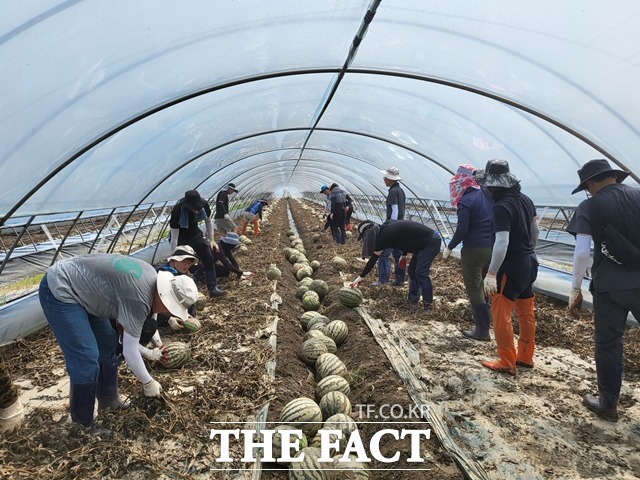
(107, 104)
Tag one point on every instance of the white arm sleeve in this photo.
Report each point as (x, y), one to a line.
(156, 340)
(499, 251)
(209, 224)
(394, 212)
(174, 239)
(581, 256)
(134, 358)
(535, 231)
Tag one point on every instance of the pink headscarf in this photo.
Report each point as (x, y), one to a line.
(462, 180)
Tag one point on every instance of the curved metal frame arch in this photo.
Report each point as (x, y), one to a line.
(93, 143)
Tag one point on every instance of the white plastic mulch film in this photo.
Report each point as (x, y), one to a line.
(106, 104)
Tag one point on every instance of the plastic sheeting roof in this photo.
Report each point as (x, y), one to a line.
(106, 104)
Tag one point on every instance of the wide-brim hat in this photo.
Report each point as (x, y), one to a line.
(193, 200)
(595, 167)
(232, 186)
(177, 292)
(231, 238)
(363, 227)
(496, 174)
(183, 252)
(392, 173)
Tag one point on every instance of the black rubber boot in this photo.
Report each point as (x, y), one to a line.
(107, 389)
(212, 284)
(605, 407)
(482, 319)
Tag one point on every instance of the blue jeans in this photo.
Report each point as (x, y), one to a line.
(384, 266)
(85, 339)
(419, 267)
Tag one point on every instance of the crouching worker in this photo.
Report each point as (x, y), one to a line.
(179, 263)
(79, 295)
(251, 214)
(408, 237)
(11, 410)
(226, 263)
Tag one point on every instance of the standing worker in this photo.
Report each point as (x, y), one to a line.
(80, 295)
(221, 218)
(611, 216)
(408, 237)
(185, 216)
(473, 229)
(396, 200)
(338, 199)
(11, 410)
(252, 214)
(513, 267)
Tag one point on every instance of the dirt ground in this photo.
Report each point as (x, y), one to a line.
(531, 426)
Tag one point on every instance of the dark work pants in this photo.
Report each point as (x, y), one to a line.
(610, 311)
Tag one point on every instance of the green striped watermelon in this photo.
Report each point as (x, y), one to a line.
(329, 364)
(350, 297)
(301, 290)
(314, 321)
(305, 281)
(310, 468)
(305, 271)
(306, 316)
(313, 334)
(303, 414)
(329, 343)
(178, 354)
(273, 272)
(332, 383)
(333, 403)
(312, 349)
(320, 287)
(192, 324)
(338, 331)
(311, 301)
(342, 422)
(315, 265)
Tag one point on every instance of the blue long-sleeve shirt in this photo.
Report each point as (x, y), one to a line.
(474, 220)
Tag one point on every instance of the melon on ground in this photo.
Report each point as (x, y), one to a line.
(333, 403)
(178, 355)
(350, 297)
(304, 414)
(332, 383)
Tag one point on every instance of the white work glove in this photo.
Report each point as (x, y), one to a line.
(152, 389)
(153, 355)
(490, 285)
(575, 301)
(247, 274)
(402, 262)
(227, 217)
(176, 323)
(215, 246)
(446, 254)
(156, 340)
(11, 418)
(356, 283)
